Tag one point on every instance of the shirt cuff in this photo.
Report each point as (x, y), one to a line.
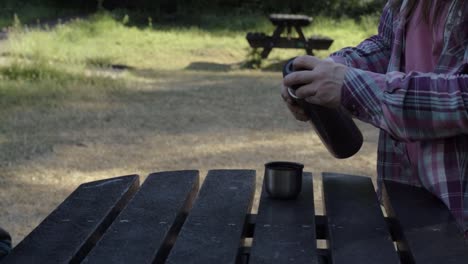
(338, 59)
(361, 93)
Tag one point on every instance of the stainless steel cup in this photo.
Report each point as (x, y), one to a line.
(283, 179)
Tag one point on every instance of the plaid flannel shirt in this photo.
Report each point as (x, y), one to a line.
(428, 108)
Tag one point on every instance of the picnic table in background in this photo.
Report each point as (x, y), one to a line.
(169, 220)
(287, 22)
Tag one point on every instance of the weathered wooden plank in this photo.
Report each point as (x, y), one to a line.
(357, 230)
(426, 231)
(71, 230)
(213, 230)
(260, 41)
(289, 19)
(146, 229)
(285, 229)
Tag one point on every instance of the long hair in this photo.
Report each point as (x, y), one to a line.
(427, 9)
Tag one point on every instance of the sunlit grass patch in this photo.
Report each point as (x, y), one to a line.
(32, 71)
(102, 36)
(25, 86)
(104, 39)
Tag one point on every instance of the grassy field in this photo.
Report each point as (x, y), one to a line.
(101, 97)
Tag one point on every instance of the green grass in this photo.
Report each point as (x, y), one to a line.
(103, 38)
(61, 59)
(24, 87)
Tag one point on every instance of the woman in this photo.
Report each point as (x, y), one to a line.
(411, 81)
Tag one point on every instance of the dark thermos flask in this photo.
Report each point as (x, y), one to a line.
(335, 128)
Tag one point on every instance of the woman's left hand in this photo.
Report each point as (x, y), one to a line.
(320, 81)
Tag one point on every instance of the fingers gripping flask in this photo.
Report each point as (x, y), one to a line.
(335, 128)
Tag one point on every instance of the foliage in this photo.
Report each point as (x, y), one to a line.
(168, 8)
(32, 12)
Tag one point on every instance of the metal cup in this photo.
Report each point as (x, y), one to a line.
(283, 179)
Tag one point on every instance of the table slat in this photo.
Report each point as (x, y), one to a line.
(71, 230)
(290, 19)
(146, 228)
(357, 230)
(285, 229)
(426, 231)
(213, 230)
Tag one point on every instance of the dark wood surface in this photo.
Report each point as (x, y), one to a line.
(70, 231)
(285, 229)
(357, 230)
(146, 229)
(290, 19)
(425, 230)
(259, 41)
(219, 226)
(214, 227)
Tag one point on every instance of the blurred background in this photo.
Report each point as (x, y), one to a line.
(97, 89)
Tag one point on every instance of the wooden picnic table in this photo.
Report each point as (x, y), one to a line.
(287, 22)
(169, 220)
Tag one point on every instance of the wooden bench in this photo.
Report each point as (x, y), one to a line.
(287, 22)
(169, 220)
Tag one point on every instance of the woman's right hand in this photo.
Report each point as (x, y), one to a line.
(295, 109)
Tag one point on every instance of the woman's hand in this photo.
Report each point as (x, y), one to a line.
(320, 82)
